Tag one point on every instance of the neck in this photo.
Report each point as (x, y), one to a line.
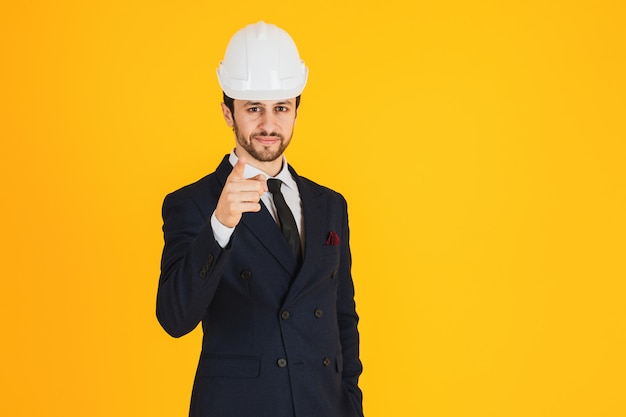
(271, 168)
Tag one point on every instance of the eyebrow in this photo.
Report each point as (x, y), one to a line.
(258, 103)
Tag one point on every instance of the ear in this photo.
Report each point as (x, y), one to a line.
(228, 116)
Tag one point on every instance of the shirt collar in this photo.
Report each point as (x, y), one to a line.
(284, 175)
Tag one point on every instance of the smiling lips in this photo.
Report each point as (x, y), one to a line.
(266, 140)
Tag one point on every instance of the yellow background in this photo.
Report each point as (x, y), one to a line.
(480, 144)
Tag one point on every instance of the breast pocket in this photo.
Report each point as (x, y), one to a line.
(329, 258)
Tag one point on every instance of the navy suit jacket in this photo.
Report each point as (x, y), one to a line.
(279, 341)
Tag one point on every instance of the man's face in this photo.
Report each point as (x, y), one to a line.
(263, 128)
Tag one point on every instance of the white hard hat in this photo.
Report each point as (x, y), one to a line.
(262, 63)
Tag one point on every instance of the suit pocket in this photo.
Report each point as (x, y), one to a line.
(339, 364)
(229, 366)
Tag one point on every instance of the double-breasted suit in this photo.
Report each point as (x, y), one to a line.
(280, 340)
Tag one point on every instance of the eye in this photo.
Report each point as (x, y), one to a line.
(254, 109)
(281, 109)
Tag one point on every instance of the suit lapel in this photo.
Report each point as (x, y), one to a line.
(313, 205)
(263, 226)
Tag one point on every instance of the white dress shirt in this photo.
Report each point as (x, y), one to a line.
(289, 188)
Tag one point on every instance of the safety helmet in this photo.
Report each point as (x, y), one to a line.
(262, 63)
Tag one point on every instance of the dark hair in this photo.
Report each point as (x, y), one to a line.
(230, 103)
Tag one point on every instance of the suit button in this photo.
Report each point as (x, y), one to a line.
(326, 362)
(284, 315)
(204, 270)
(282, 362)
(334, 274)
(318, 313)
(245, 274)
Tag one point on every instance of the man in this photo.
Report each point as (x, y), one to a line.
(263, 264)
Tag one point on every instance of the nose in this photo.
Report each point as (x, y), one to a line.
(267, 122)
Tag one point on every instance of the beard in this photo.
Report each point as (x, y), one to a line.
(261, 153)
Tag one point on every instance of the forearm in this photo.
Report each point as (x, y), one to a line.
(188, 283)
(191, 267)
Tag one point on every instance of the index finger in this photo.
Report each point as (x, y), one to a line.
(238, 169)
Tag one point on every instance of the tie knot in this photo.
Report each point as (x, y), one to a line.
(273, 185)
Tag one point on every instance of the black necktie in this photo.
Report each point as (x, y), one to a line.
(285, 218)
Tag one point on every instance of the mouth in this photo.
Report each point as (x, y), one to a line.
(266, 140)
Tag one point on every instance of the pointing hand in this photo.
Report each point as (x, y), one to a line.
(239, 195)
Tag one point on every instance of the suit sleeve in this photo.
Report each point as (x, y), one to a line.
(191, 265)
(348, 319)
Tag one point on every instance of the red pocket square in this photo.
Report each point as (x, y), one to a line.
(333, 239)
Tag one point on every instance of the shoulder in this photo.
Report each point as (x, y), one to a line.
(312, 187)
(198, 197)
(206, 187)
(198, 187)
